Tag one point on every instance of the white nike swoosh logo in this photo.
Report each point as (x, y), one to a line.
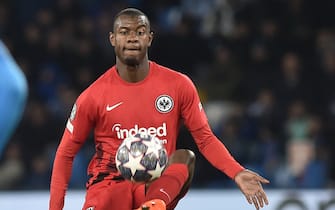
(110, 108)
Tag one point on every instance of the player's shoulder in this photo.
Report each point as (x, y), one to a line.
(169, 73)
(102, 80)
(96, 87)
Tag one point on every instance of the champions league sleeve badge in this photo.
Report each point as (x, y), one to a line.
(69, 124)
(73, 112)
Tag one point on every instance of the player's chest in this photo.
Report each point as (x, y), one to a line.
(138, 105)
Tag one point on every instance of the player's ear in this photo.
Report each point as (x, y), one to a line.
(151, 37)
(112, 38)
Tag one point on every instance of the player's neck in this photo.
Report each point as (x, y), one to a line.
(133, 73)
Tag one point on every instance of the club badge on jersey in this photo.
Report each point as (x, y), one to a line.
(164, 103)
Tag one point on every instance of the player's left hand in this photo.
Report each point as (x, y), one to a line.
(250, 183)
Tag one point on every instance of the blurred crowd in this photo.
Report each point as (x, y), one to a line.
(265, 70)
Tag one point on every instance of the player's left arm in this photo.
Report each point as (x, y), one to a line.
(214, 150)
(196, 121)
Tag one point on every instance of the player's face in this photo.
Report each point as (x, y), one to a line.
(131, 39)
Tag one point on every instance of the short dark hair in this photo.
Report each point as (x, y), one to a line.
(131, 12)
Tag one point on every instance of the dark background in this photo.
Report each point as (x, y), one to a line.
(265, 70)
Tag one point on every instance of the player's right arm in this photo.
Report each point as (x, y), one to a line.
(77, 129)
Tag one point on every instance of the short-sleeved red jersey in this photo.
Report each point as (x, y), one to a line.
(115, 109)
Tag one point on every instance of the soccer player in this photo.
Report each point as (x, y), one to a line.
(140, 95)
(13, 95)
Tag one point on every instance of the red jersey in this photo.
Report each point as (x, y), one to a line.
(115, 109)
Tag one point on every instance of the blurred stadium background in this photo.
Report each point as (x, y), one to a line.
(265, 70)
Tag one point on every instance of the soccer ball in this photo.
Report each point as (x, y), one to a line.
(141, 158)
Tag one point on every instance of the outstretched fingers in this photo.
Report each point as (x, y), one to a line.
(250, 184)
(263, 197)
(258, 197)
(254, 200)
(257, 200)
